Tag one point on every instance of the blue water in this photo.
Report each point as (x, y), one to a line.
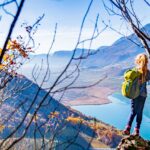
(117, 113)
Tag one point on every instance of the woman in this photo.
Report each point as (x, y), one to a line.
(137, 104)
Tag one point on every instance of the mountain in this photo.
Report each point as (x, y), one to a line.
(121, 54)
(64, 53)
(52, 120)
(124, 49)
(146, 29)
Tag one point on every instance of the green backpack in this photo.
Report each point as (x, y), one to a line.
(130, 86)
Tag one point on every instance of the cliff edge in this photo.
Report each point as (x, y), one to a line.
(133, 143)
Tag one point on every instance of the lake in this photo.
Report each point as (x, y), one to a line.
(117, 113)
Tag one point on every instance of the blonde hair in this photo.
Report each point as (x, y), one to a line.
(141, 62)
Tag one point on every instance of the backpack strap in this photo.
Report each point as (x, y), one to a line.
(136, 69)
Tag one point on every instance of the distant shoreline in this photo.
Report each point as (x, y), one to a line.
(90, 104)
(94, 96)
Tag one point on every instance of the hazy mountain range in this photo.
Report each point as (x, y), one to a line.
(121, 52)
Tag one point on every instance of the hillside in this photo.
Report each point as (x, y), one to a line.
(53, 120)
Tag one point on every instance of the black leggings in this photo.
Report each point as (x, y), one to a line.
(137, 106)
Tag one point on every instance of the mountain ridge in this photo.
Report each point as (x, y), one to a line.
(123, 49)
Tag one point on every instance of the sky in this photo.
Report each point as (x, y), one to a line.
(68, 14)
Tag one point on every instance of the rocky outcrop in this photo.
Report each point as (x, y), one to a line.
(134, 143)
(110, 138)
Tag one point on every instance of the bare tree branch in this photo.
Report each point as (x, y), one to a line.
(11, 29)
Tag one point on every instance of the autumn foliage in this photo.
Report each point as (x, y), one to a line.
(75, 120)
(14, 51)
(53, 114)
(2, 127)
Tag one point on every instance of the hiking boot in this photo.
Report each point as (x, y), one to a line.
(127, 130)
(136, 132)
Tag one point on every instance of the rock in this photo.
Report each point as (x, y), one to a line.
(133, 143)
